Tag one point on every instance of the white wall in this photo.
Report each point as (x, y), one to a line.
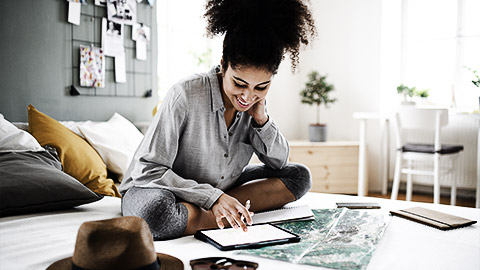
(348, 50)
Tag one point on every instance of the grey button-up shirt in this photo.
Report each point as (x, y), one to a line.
(189, 150)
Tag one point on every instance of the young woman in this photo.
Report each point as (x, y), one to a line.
(191, 170)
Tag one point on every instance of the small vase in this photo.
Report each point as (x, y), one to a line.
(408, 103)
(318, 132)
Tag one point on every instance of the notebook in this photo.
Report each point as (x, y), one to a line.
(433, 218)
(289, 213)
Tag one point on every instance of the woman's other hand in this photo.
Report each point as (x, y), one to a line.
(257, 111)
(233, 211)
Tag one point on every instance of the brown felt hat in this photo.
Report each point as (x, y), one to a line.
(117, 243)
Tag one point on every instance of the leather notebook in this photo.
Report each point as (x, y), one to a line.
(433, 218)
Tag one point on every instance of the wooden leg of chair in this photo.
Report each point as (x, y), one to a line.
(396, 178)
(409, 182)
(436, 178)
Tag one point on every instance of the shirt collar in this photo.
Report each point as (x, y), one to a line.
(215, 91)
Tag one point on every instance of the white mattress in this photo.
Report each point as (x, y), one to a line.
(35, 241)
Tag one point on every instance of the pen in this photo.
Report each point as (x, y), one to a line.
(247, 205)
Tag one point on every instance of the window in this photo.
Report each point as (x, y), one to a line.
(183, 48)
(441, 39)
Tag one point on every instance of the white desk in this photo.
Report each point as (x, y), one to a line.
(362, 153)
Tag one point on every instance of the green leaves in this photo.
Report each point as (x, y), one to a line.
(411, 92)
(475, 72)
(477, 82)
(422, 93)
(317, 90)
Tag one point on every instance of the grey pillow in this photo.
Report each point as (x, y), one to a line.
(31, 182)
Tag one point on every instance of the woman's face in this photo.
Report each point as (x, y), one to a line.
(245, 86)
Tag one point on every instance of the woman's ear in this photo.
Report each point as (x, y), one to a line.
(221, 67)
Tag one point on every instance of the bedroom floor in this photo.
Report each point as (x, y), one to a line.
(419, 197)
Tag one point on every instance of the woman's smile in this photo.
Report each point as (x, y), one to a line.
(242, 103)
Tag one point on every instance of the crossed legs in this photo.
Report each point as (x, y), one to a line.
(170, 218)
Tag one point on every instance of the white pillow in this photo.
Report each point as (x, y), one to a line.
(15, 139)
(115, 140)
(73, 126)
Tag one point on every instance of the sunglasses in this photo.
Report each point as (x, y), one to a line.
(222, 263)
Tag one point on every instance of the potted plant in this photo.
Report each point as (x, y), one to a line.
(409, 93)
(316, 92)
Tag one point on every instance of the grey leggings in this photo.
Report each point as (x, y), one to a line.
(167, 217)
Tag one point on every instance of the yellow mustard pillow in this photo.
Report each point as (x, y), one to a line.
(78, 158)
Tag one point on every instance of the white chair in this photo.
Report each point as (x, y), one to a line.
(429, 123)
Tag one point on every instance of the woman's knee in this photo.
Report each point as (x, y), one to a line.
(299, 179)
(304, 178)
(167, 218)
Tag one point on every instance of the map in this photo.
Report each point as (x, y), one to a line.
(337, 238)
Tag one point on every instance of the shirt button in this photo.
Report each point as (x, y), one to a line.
(224, 137)
(230, 133)
(223, 177)
(226, 155)
(259, 129)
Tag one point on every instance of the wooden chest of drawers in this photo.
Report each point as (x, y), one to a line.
(334, 165)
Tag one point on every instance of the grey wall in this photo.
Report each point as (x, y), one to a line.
(34, 49)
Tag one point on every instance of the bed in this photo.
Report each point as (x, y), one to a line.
(45, 197)
(34, 241)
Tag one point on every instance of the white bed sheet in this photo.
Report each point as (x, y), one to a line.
(35, 241)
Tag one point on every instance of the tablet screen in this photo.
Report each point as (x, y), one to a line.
(255, 234)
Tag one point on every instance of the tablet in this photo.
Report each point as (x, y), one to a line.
(359, 205)
(257, 236)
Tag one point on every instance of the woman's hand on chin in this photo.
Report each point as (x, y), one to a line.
(257, 111)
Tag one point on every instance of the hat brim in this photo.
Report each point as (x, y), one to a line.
(166, 262)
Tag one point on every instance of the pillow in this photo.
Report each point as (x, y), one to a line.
(33, 181)
(73, 126)
(14, 139)
(115, 140)
(78, 158)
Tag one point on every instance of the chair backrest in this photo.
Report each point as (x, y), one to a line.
(422, 120)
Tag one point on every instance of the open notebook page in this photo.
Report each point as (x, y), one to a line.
(283, 214)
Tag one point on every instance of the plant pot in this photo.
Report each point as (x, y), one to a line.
(408, 103)
(317, 132)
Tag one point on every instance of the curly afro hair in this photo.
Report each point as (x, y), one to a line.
(258, 33)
